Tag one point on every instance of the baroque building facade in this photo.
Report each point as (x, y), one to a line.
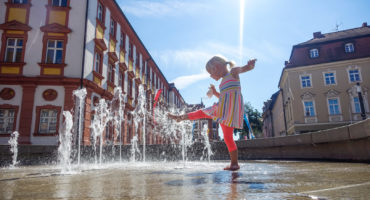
(49, 48)
(326, 83)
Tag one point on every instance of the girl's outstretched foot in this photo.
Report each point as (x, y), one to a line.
(232, 167)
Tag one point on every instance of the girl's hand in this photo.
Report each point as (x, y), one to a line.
(251, 64)
(212, 87)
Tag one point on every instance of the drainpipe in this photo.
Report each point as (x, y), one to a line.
(84, 46)
(83, 62)
(282, 94)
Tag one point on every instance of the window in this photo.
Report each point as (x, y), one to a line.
(306, 81)
(122, 40)
(7, 117)
(14, 50)
(110, 73)
(309, 109)
(20, 1)
(130, 50)
(120, 79)
(333, 106)
(314, 53)
(354, 75)
(112, 29)
(60, 3)
(100, 12)
(349, 48)
(357, 105)
(97, 62)
(329, 78)
(48, 121)
(54, 53)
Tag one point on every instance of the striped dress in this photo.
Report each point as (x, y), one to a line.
(229, 109)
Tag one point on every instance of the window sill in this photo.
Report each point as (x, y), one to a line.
(45, 134)
(5, 134)
(101, 24)
(60, 8)
(18, 5)
(11, 68)
(51, 69)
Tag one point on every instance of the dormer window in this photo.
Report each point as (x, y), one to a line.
(349, 48)
(314, 53)
(20, 1)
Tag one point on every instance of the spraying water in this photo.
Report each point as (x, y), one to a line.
(13, 141)
(100, 121)
(134, 149)
(207, 145)
(119, 118)
(80, 94)
(65, 146)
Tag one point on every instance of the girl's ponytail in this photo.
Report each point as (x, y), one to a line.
(231, 64)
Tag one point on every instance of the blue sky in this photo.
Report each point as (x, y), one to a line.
(183, 35)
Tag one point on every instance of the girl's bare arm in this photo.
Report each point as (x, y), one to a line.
(235, 71)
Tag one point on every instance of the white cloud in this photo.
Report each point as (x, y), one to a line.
(182, 62)
(197, 57)
(146, 8)
(185, 81)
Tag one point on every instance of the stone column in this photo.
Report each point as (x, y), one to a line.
(25, 121)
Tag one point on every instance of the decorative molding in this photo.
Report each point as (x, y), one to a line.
(307, 96)
(332, 93)
(55, 28)
(7, 93)
(50, 95)
(101, 44)
(15, 25)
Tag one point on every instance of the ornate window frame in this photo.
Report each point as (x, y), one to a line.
(8, 106)
(309, 97)
(38, 116)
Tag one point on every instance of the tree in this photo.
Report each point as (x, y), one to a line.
(255, 120)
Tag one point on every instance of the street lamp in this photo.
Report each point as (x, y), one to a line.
(359, 92)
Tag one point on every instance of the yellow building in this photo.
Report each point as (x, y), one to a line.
(326, 81)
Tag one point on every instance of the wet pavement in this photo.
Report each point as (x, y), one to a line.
(192, 180)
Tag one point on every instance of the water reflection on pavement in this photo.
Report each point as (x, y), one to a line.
(191, 180)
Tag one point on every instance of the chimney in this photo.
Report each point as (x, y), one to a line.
(317, 35)
(364, 24)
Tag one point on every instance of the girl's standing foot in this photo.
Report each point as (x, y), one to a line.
(234, 161)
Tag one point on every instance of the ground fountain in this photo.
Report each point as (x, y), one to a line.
(13, 142)
(65, 146)
(166, 177)
(80, 94)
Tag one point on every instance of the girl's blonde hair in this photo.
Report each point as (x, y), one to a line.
(218, 59)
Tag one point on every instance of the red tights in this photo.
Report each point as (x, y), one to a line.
(228, 131)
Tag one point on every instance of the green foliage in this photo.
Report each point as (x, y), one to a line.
(255, 119)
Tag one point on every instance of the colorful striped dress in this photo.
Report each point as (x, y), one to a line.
(229, 109)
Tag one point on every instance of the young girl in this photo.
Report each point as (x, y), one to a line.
(229, 109)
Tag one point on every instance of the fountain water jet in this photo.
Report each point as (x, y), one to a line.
(100, 121)
(65, 146)
(118, 119)
(13, 141)
(80, 94)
